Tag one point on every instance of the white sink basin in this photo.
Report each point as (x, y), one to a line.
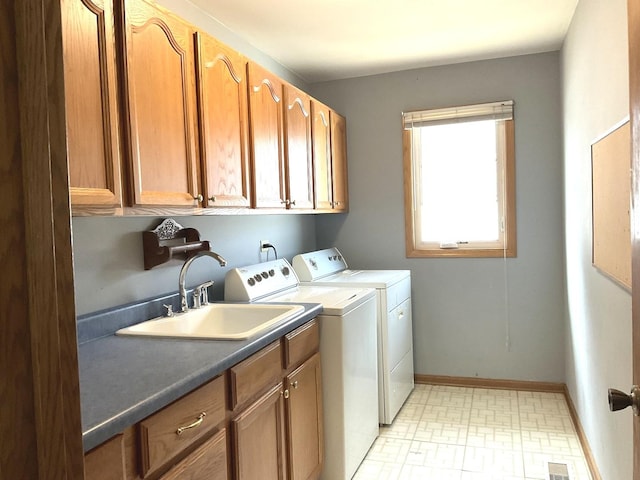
(216, 321)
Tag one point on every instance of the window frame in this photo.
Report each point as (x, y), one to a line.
(509, 247)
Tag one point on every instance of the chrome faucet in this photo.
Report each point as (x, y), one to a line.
(184, 304)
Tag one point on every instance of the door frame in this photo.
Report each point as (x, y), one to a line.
(633, 13)
(40, 422)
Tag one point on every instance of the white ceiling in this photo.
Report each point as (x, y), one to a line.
(330, 39)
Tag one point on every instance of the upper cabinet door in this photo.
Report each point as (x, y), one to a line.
(297, 140)
(222, 98)
(159, 87)
(321, 132)
(91, 103)
(339, 161)
(265, 122)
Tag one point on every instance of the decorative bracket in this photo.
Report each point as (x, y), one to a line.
(170, 240)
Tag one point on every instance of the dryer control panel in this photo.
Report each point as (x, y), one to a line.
(312, 266)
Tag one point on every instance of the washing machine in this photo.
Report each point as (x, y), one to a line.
(394, 321)
(348, 353)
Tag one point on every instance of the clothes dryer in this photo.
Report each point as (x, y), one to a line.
(394, 320)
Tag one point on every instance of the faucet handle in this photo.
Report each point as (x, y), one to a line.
(169, 310)
(201, 295)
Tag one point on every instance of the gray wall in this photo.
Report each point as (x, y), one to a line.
(472, 317)
(108, 259)
(598, 338)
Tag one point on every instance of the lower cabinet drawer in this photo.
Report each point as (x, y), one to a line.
(166, 433)
(300, 344)
(208, 461)
(251, 376)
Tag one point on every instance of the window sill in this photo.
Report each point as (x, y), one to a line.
(461, 253)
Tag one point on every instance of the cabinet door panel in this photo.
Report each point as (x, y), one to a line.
(106, 462)
(304, 412)
(339, 162)
(297, 139)
(160, 73)
(258, 437)
(321, 132)
(91, 103)
(208, 462)
(265, 121)
(222, 97)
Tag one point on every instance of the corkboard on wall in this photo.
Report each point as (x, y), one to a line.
(611, 188)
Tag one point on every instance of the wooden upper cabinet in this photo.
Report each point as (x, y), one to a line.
(91, 103)
(321, 132)
(297, 141)
(160, 107)
(222, 100)
(339, 161)
(265, 126)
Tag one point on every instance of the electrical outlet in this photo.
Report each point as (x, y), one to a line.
(262, 245)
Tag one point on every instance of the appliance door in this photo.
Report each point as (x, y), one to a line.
(348, 351)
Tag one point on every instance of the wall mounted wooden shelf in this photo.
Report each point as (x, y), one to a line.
(170, 240)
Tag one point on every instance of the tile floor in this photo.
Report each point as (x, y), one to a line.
(460, 433)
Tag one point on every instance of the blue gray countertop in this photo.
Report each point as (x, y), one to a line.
(125, 379)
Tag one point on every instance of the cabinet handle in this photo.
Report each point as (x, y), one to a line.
(286, 393)
(295, 384)
(293, 202)
(198, 197)
(195, 424)
(212, 199)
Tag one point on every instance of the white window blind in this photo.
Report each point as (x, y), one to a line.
(466, 113)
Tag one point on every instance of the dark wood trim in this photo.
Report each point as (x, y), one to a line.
(633, 13)
(490, 383)
(41, 268)
(18, 439)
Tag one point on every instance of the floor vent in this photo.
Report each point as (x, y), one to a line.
(558, 471)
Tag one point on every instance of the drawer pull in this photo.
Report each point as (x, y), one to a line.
(295, 384)
(195, 424)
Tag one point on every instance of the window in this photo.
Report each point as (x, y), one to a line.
(460, 181)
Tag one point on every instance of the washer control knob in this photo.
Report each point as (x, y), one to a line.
(251, 282)
(258, 277)
(285, 271)
(272, 272)
(265, 275)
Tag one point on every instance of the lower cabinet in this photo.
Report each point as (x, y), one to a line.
(106, 462)
(208, 461)
(261, 419)
(304, 420)
(258, 438)
(279, 434)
